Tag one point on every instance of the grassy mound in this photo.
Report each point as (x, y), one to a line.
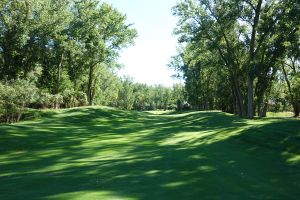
(102, 153)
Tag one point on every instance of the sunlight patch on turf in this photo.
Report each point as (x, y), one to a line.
(152, 172)
(103, 195)
(174, 184)
(9, 157)
(197, 157)
(201, 137)
(292, 158)
(185, 137)
(206, 168)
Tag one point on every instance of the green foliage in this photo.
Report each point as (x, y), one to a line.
(15, 96)
(139, 96)
(233, 55)
(106, 87)
(68, 99)
(47, 100)
(126, 95)
(236, 46)
(101, 31)
(81, 99)
(68, 40)
(142, 97)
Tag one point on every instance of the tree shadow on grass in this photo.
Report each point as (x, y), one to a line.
(112, 154)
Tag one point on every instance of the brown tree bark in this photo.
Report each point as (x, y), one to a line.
(90, 84)
(295, 103)
(250, 78)
(59, 70)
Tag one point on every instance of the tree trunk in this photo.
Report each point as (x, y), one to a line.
(263, 112)
(295, 104)
(235, 105)
(178, 105)
(252, 52)
(59, 70)
(165, 106)
(90, 84)
(239, 99)
(296, 107)
(250, 97)
(19, 115)
(94, 86)
(258, 108)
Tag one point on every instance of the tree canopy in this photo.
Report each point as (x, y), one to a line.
(239, 56)
(233, 52)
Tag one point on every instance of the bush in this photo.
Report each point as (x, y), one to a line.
(81, 99)
(15, 96)
(44, 100)
(47, 100)
(68, 98)
(73, 98)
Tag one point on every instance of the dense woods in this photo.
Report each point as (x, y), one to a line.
(63, 53)
(241, 56)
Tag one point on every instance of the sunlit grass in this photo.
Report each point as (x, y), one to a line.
(104, 153)
(280, 114)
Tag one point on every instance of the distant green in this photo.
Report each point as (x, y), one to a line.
(102, 153)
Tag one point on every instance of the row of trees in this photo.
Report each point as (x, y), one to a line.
(140, 96)
(70, 41)
(17, 95)
(239, 55)
(52, 53)
(63, 53)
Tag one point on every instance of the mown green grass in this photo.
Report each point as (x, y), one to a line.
(280, 114)
(102, 153)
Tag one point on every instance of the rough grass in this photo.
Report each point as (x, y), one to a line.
(102, 153)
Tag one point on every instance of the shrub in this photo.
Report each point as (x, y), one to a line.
(81, 99)
(47, 100)
(69, 98)
(44, 100)
(15, 96)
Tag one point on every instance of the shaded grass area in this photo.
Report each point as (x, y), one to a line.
(102, 153)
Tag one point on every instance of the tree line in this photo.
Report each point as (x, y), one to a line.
(17, 96)
(68, 39)
(241, 56)
(63, 53)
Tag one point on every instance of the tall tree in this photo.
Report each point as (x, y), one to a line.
(103, 32)
(247, 38)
